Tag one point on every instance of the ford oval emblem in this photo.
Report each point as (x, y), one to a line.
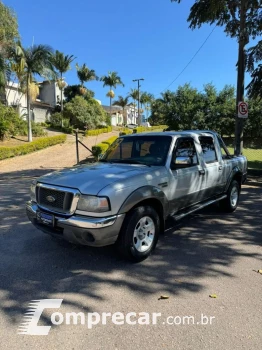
(51, 199)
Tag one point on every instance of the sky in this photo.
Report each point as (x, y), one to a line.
(138, 39)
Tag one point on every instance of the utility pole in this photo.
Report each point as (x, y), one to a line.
(243, 40)
(138, 88)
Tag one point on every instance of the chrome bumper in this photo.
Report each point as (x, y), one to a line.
(78, 229)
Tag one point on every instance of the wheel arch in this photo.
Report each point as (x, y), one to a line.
(236, 174)
(147, 196)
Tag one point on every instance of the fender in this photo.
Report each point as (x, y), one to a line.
(235, 171)
(144, 193)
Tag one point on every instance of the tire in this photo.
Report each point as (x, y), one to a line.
(230, 203)
(139, 234)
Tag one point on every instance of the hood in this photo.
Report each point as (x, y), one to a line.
(92, 178)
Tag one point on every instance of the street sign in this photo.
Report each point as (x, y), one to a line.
(242, 110)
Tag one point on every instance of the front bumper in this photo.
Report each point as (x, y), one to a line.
(78, 229)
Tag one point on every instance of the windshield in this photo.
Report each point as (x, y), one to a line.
(146, 150)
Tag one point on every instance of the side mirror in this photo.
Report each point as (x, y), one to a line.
(183, 161)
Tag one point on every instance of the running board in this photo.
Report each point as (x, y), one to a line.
(198, 207)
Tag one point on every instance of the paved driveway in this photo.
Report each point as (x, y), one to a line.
(208, 253)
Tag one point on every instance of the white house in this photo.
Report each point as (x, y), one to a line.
(41, 108)
(118, 116)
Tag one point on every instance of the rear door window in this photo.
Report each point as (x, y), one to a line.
(208, 149)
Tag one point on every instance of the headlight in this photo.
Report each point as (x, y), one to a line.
(93, 204)
(32, 191)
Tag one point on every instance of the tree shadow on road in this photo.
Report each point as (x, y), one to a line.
(35, 266)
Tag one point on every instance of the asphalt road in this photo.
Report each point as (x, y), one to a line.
(207, 253)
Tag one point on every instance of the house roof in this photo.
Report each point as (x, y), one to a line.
(41, 104)
(113, 108)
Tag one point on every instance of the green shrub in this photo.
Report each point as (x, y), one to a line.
(8, 152)
(101, 148)
(125, 131)
(37, 130)
(9, 122)
(66, 130)
(56, 119)
(84, 113)
(96, 132)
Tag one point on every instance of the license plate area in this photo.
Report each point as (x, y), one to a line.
(45, 218)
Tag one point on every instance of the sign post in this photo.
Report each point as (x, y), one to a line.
(242, 110)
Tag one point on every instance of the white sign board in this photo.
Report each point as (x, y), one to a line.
(242, 110)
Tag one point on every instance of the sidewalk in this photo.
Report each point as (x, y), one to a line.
(52, 158)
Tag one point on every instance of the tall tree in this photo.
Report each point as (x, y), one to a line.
(84, 75)
(111, 80)
(122, 102)
(135, 96)
(8, 26)
(36, 59)
(8, 35)
(241, 19)
(254, 57)
(72, 91)
(146, 99)
(143, 100)
(62, 63)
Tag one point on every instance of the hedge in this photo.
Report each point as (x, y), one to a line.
(126, 131)
(101, 147)
(43, 142)
(66, 130)
(156, 127)
(96, 132)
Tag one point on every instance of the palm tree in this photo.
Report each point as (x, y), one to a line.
(111, 80)
(134, 94)
(62, 63)
(36, 59)
(122, 102)
(5, 71)
(84, 75)
(3, 68)
(145, 100)
(17, 67)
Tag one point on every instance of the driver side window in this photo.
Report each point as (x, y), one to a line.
(184, 154)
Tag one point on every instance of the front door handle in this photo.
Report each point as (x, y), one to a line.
(220, 167)
(202, 172)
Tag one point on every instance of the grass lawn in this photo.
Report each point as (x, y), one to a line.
(254, 157)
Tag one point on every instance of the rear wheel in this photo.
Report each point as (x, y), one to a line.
(230, 203)
(139, 234)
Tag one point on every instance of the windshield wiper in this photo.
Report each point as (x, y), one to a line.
(128, 161)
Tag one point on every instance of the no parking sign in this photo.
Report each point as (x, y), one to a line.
(242, 110)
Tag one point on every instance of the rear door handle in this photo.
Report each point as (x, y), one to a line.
(220, 167)
(202, 172)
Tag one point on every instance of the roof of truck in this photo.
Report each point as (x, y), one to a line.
(176, 133)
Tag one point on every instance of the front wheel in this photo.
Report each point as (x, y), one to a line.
(230, 203)
(139, 234)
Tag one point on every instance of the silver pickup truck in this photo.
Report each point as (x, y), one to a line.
(142, 179)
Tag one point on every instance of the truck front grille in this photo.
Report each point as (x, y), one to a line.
(59, 201)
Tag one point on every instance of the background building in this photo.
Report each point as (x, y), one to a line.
(118, 116)
(41, 107)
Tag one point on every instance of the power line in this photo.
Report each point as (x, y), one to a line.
(182, 71)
